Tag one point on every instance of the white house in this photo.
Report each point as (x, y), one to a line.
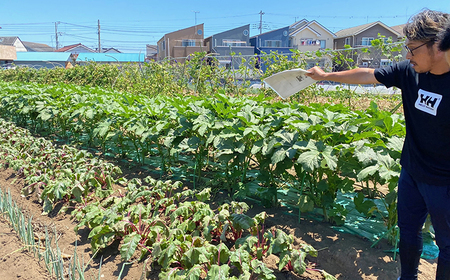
(13, 41)
(310, 36)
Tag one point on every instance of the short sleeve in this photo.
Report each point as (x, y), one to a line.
(392, 75)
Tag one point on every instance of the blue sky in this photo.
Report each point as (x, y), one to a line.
(130, 25)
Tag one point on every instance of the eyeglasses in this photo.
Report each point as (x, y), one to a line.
(411, 50)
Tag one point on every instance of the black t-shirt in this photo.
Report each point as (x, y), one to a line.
(426, 105)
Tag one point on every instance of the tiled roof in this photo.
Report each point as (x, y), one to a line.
(399, 29)
(297, 25)
(70, 47)
(67, 48)
(37, 47)
(286, 27)
(360, 28)
(9, 41)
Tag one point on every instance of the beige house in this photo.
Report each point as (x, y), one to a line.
(362, 35)
(359, 38)
(182, 43)
(310, 36)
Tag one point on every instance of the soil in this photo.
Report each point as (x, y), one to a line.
(343, 255)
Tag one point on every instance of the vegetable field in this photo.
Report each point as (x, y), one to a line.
(184, 185)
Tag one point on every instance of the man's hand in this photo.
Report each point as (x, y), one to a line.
(316, 73)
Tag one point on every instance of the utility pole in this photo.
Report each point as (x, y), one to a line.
(56, 34)
(261, 13)
(99, 45)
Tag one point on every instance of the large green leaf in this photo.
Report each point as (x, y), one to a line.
(279, 155)
(363, 205)
(310, 160)
(195, 255)
(217, 272)
(129, 245)
(242, 221)
(367, 172)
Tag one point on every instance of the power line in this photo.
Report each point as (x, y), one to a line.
(117, 32)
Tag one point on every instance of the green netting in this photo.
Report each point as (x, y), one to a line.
(372, 228)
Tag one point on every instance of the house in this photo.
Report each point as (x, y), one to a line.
(276, 40)
(360, 37)
(310, 36)
(75, 49)
(42, 59)
(37, 47)
(272, 41)
(181, 43)
(235, 40)
(108, 50)
(13, 41)
(83, 58)
(7, 55)
(151, 52)
(399, 30)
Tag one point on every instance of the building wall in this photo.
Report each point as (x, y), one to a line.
(7, 53)
(373, 33)
(356, 41)
(308, 40)
(19, 46)
(282, 35)
(325, 35)
(171, 44)
(240, 34)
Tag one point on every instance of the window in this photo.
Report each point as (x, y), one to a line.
(311, 42)
(323, 44)
(306, 41)
(164, 45)
(273, 43)
(385, 62)
(366, 41)
(233, 43)
(188, 43)
(347, 41)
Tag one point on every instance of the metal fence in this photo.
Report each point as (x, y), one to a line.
(331, 60)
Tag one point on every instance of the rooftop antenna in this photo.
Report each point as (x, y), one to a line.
(196, 12)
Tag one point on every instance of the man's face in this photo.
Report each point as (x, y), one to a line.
(425, 58)
(421, 57)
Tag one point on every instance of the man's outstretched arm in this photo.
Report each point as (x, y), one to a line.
(357, 76)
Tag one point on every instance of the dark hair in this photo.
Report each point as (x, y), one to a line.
(426, 25)
(444, 38)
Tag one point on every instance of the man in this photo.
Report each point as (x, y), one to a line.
(444, 45)
(424, 184)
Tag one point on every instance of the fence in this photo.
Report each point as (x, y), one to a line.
(205, 73)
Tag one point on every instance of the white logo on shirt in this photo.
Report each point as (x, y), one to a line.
(428, 102)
